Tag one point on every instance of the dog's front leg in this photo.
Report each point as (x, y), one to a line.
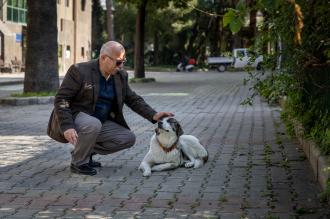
(145, 168)
(164, 166)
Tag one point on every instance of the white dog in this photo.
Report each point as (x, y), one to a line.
(168, 147)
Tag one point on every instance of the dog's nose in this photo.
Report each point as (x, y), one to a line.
(160, 124)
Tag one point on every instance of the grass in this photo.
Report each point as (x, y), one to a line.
(156, 68)
(142, 80)
(33, 94)
(223, 198)
(161, 68)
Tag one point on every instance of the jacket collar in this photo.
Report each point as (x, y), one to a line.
(118, 87)
(95, 79)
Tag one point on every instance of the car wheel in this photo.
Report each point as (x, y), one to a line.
(221, 68)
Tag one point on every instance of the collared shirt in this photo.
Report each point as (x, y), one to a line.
(105, 99)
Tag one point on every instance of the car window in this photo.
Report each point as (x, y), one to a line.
(240, 53)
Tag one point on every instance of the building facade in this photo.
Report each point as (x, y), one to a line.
(74, 23)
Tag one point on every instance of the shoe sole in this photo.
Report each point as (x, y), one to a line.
(79, 172)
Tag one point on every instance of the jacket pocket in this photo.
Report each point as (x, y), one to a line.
(88, 90)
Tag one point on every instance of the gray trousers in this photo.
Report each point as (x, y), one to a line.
(93, 136)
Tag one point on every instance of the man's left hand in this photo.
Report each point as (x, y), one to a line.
(160, 115)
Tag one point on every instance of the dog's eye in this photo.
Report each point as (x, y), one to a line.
(171, 120)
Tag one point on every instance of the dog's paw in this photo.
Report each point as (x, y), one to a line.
(189, 164)
(198, 163)
(146, 173)
(203, 153)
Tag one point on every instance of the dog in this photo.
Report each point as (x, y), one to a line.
(170, 148)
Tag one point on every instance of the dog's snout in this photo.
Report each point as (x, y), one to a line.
(160, 124)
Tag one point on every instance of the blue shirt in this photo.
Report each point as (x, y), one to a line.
(105, 99)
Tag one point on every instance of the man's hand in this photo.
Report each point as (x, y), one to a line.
(160, 115)
(71, 136)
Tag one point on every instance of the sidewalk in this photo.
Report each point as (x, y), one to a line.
(254, 169)
(13, 78)
(13, 83)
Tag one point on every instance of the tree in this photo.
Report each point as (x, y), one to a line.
(139, 40)
(41, 73)
(98, 28)
(110, 17)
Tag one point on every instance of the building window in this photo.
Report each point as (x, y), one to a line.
(68, 52)
(83, 52)
(62, 24)
(83, 5)
(17, 11)
(67, 3)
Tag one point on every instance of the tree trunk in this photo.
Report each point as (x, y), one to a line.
(41, 73)
(97, 28)
(192, 39)
(237, 41)
(253, 23)
(215, 37)
(139, 41)
(110, 9)
(156, 48)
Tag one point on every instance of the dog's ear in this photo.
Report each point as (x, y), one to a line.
(179, 130)
(157, 131)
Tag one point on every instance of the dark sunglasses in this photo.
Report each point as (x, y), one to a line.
(118, 62)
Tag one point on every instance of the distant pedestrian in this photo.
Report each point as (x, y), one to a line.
(191, 61)
(88, 110)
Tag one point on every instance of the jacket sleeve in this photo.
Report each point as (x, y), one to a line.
(137, 103)
(68, 90)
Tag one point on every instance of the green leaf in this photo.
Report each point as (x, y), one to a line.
(228, 17)
(235, 25)
(241, 6)
(327, 53)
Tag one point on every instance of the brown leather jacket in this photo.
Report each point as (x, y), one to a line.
(79, 92)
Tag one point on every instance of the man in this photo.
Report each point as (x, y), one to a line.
(88, 110)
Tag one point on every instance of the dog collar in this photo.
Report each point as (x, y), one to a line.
(168, 149)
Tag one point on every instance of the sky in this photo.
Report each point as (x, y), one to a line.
(102, 3)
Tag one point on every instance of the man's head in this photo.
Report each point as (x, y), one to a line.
(112, 57)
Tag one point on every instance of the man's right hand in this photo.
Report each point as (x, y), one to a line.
(71, 136)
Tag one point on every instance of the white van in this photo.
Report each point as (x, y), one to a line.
(241, 58)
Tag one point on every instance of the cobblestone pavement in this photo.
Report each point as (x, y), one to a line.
(254, 169)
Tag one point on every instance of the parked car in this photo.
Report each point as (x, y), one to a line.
(241, 58)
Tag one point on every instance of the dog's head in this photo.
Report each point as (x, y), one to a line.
(169, 125)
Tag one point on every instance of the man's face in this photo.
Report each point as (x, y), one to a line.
(111, 64)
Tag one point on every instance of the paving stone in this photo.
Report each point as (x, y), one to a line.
(236, 181)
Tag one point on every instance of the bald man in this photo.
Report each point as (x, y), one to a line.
(88, 110)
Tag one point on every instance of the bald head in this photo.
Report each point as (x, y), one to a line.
(112, 58)
(112, 48)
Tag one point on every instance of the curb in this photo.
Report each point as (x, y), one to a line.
(22, 101)
(13, 82)
(319, 163)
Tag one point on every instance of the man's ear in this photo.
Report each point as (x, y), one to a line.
(102, 57)
(157, 131)
(179, 130)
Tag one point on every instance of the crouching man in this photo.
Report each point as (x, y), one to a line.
(88, 110)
